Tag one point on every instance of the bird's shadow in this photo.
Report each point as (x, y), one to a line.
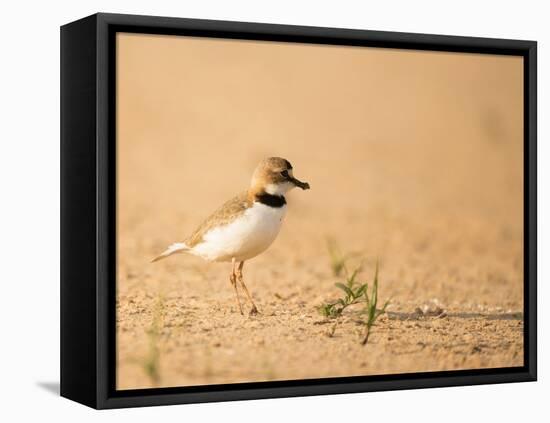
(51, 387)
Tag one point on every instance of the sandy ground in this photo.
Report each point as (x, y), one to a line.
(414, 159)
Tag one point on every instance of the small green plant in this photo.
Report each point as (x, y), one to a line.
(370, 307)
(151, 363)
(338, 259)
(355, 293)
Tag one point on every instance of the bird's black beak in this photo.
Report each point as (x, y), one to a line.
(299, 184)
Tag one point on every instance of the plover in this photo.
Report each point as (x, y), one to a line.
(246, 225)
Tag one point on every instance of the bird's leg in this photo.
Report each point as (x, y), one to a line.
(233, 280)
(253, 310)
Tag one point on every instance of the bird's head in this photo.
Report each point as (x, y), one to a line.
(274, 176)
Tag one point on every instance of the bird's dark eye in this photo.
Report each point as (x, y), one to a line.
(285, 173)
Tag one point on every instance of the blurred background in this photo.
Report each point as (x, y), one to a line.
(414, 158)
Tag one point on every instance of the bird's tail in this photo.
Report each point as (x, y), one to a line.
(178, 247)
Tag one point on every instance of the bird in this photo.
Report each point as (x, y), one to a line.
(246, 225)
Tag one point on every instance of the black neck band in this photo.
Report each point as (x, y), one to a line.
(271, 200)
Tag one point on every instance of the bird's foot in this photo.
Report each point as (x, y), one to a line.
(253, 311)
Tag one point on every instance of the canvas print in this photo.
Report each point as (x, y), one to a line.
(296, 211)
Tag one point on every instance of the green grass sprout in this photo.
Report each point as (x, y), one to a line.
(355, 292)
(338, 259)
(152, 361)
(371, 303)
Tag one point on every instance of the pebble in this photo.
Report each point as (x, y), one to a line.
(432, 310)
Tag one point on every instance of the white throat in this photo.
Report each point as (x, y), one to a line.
(279, 189)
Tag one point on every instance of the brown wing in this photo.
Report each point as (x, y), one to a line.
(224, 215)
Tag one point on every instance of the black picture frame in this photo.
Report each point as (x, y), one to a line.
(88, 201)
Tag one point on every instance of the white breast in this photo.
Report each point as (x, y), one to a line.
(246, 237)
